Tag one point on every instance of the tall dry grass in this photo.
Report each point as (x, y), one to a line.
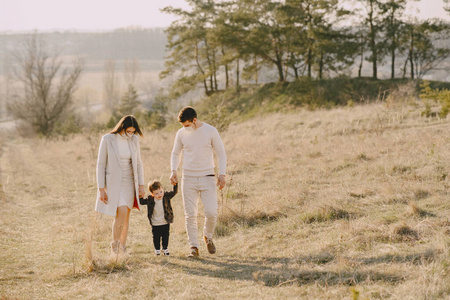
(325, 204)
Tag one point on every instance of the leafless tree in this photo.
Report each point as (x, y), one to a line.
(131, 71)
(5, 86)
(48, 87)
(111, 93)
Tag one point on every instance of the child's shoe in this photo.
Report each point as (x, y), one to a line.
(158, 252)
(166, 252)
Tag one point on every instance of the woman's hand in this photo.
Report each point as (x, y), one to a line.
(103, 195)
(141, 191)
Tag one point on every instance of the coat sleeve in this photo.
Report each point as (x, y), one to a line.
(140, 166)
(143, 201)
(101, 164)
(173, 192)
(175, 189)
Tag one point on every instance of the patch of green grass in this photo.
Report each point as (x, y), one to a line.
(230, 222)
(400, 169)
(416, 211)
(325, 214)
(420, 194)
(404, 233)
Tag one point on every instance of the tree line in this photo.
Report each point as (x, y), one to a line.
(95, 47)
(313, 38)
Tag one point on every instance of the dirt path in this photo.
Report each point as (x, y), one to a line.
(21, 226)
(36, 206)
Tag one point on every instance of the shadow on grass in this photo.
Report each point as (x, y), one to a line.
(321, 269)
(275, 272)
(415, 259)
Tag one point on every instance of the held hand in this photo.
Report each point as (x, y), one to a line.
(221, 181)
(141, 191)
(103, 196)
(173, 178)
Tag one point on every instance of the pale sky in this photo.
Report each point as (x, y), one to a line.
(47, 15)
(25, 15)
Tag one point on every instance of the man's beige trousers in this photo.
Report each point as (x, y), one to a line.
(193, 188)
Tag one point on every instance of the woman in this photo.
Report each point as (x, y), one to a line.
(120, 178)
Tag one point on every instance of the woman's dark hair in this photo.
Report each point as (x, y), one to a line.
(127, 122)
(187, 114)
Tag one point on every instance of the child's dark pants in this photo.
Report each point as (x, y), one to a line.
(161, 233)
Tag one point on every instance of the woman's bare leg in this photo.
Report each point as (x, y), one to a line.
(124, 234)
(119, 222)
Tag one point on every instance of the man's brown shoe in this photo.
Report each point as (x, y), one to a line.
(194, 252)
(210, 245)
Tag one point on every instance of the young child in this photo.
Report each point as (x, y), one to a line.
(160, 214)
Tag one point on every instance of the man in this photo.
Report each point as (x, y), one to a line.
(196, 141)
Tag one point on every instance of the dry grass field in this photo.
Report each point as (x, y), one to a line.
(348, 203)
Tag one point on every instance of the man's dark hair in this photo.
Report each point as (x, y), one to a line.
(187, 114)
(154, 185)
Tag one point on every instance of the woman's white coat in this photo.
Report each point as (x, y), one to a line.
(109, 173)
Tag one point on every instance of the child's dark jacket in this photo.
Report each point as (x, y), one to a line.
(168, 211)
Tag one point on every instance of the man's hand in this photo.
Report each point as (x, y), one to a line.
(103, 195)
(141, 191)
(221, 181)
(173, 178)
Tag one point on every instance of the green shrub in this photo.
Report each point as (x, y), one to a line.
(324, 214)
(441, 97)
(248, 101)
(112, 122)
(68, 125)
